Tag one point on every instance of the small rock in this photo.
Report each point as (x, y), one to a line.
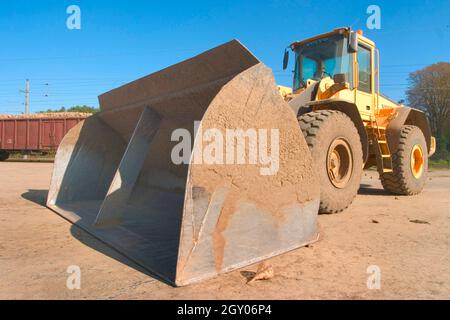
(264, 272)
(374, 221)
(396, 198)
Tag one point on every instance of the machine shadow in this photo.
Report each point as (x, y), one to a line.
(369, 190)
(40, 197)
(98, 245)
(37, 196)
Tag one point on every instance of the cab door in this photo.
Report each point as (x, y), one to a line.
(365, 90)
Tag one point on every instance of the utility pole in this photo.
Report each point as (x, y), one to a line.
(27, 94)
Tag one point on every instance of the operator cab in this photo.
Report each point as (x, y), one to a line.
(320, 58)
(346, 57)
(337, 54)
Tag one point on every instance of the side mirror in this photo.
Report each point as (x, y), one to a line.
(353, 42)
(285, 59)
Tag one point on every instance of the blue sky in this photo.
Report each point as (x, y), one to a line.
(122, 40)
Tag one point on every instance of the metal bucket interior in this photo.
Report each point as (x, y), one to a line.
(115, 177)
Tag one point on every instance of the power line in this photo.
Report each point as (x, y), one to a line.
(89, 56)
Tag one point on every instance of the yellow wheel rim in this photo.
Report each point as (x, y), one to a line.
(339, 163)
(417, 161)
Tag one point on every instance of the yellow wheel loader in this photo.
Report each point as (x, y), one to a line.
(202, 167)
(348, 124)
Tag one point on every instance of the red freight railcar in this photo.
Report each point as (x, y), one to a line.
(37, 132)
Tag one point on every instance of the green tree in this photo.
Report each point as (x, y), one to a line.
(429, 90)
(83, 108)
(78, 108)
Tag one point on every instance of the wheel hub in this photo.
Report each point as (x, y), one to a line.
(339, 163)
(417, 161)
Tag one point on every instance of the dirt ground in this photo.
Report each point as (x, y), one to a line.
(37, 246)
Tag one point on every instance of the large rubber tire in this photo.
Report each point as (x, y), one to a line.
(321, 129)
(401, 180)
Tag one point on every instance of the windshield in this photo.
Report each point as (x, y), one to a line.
(324, 57)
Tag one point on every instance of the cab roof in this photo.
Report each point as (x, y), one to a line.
(342, 30)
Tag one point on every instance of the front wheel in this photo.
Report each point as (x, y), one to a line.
(336, 150)
(410, 164)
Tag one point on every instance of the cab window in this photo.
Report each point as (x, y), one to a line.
(365, 69)
(323, 57)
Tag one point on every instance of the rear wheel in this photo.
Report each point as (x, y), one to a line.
(337, 154)
(410, 164)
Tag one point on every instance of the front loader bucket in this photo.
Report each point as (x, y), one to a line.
(192, 171)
